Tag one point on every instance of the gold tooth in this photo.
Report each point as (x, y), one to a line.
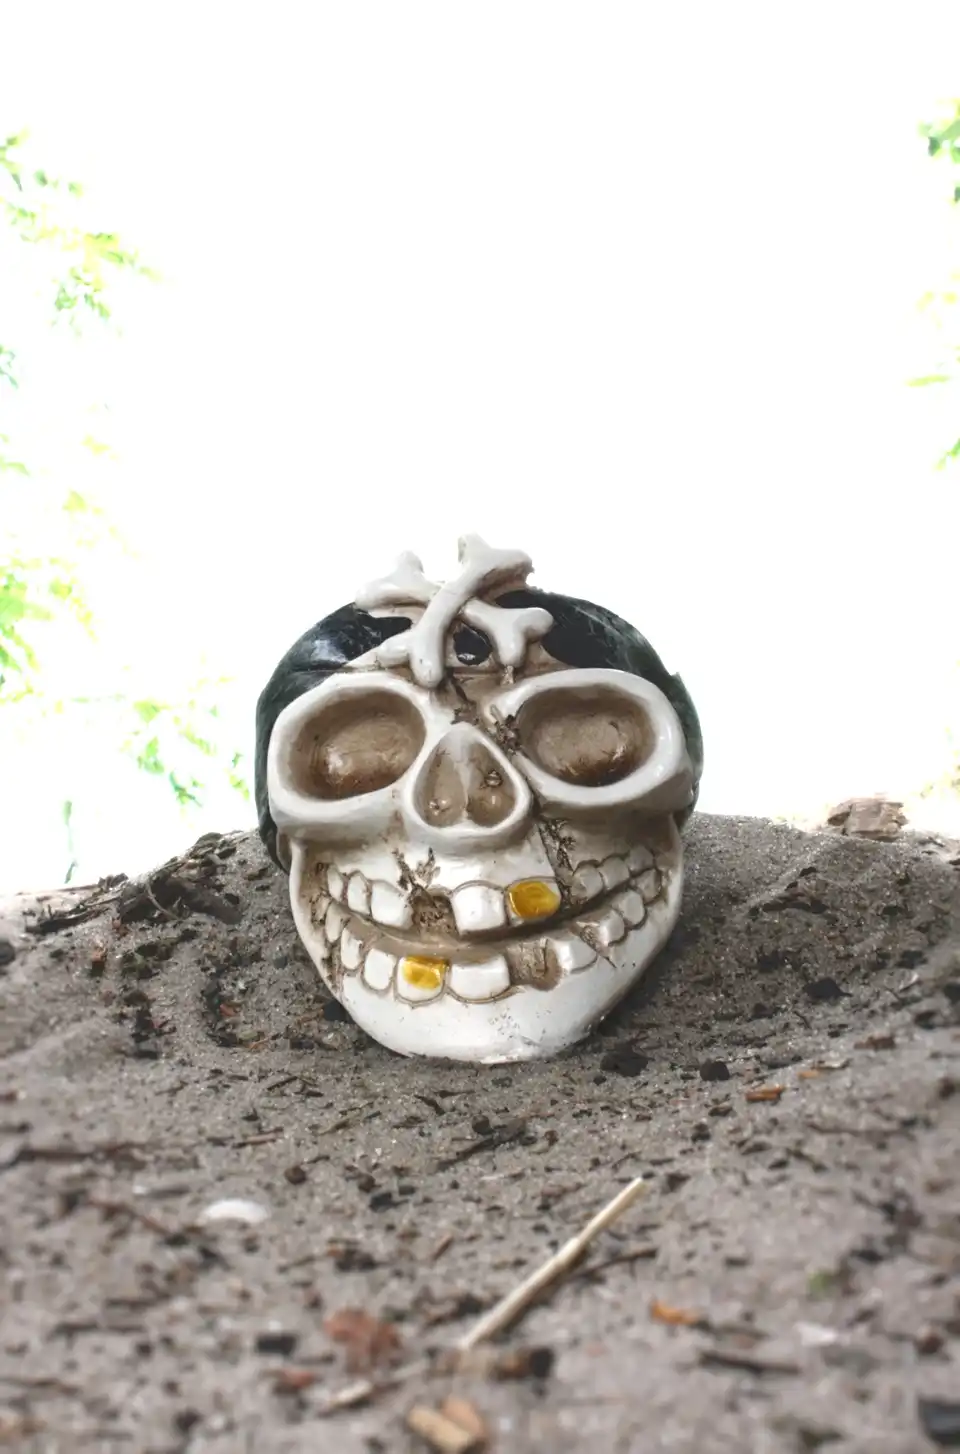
(423, 973)
(532, 898)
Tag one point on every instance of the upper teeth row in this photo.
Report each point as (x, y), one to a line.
(483, 907)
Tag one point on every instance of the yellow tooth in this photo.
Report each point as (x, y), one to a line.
(423, 974)
(533, 899)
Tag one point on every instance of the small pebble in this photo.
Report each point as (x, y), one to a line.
(235, 1209)
(823, 990)
(928, 1340)
(282, 1343)
(714, 1070)
(625, 1061)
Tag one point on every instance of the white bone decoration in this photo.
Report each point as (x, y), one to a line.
(482, 832)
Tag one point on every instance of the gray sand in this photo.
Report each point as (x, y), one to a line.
(152, 1067)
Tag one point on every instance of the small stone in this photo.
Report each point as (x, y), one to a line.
(235, 1209)
(941, 1421)
(823, 990)
(624, 1060)
(276, 1342)
(714, 1070)
(295, 1175)
(928, 1340)
(525, 1363)
(7, 953)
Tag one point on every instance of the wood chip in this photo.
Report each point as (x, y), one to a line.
(461, 1411)
(441, 1432)
(766, 1093)
(674, 1317)
(445, 1241)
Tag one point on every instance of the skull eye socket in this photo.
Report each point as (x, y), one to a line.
(357, 745)
(589, 737)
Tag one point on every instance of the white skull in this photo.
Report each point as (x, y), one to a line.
(482, 859)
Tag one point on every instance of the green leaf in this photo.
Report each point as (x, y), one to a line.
(149, 758)
(926, 379)
(953, 453)
(147, 711)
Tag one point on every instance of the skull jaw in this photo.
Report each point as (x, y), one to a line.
(525, 1023)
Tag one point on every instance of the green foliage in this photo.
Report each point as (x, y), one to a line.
(50, 526)
(38, 208)
(162, 729)
(36, 587)
(943, 143)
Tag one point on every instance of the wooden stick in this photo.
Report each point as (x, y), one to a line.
(505, 1312)
(509, 1308)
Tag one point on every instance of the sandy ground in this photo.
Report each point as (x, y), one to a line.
(790, 1280)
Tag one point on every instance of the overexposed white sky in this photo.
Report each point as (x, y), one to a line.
(631, 286)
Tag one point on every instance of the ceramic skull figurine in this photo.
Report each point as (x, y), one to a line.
(476, 789)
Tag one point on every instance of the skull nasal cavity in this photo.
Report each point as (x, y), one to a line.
(464, 782)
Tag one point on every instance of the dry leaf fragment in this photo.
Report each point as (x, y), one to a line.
(440, 1432)
(294, 1380)
(674, 1317)
(368, 1341)
(876, 1042)
(766, 1093)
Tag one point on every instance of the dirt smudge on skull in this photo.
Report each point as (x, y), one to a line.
(432, 914)
(529, 965)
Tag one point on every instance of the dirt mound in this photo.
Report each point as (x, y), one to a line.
(791, 1278)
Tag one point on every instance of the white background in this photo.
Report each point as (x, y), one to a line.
(631, 286)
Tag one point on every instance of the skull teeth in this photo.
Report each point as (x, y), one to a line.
(632, 906)
(478, 908)
(650, 885)
(334, 922)
(484, 908)
(378, 969)
(481, 981)
(388, 906)
(571, 953)
(614, 872)
(358, 894)
(608, 928)
(345, 931)
(586, 884)
(351, 950)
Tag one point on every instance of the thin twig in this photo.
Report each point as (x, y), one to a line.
(505, 1312)
(510, 1308)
